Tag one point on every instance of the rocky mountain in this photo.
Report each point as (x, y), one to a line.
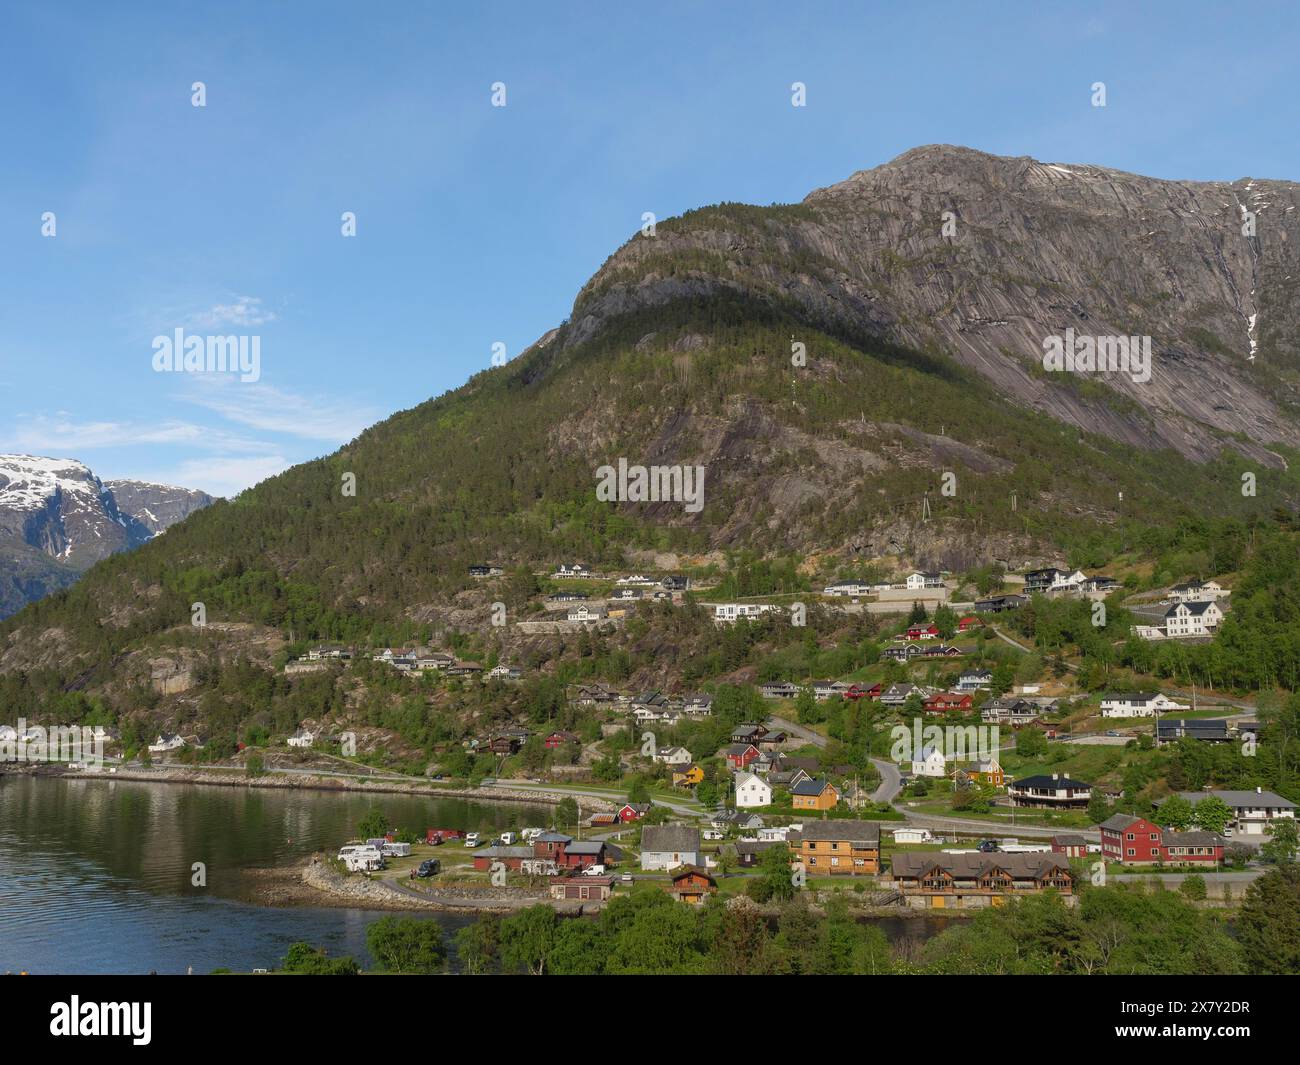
(57, 519)
(857, 382)
(1030, 250)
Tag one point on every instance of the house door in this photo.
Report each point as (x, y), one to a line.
(937, 902)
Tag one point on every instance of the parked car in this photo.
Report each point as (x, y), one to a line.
(1111, 732)
(594, 870)
(987, 846)
(429, 867)
(626, 878)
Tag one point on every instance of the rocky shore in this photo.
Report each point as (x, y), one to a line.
(237, 778)
(320, 878)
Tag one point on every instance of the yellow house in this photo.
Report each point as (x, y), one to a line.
(813, 794)
(688, 777)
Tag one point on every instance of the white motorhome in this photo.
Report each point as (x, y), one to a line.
(361, 858)
(396, 850)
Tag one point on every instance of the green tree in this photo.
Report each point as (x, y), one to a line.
(305, 960)
(477, 944)
(1281, 845)
(1176, 813)
(375, 824)
(566, 812)
(774, 882)
(1212, 814)
(1193, 887)
(527, 939)
(1268, 924)
(407, 945)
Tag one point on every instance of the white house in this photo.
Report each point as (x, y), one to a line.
(665, 847)
(974, 680)
(1138, 704)
(917, 581)
(913, 835)
(576, 570)
(932, 763)
(752, 791)
(1198, 591)
(735, 611)
(167, 742)
(636, 579)
(1253, 812)
(584, 613)
(302, 738)
(505, 673)
(847, 588)
(1199, 618)
(673, 756)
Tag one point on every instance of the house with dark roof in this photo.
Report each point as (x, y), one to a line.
(814, 794)
(1253, 812)
(968, 881)
(1132, 840)
(1070, 846)
(692, 884)
(1209, 730)
(1053, 792)
(837, 848)
(664, 847)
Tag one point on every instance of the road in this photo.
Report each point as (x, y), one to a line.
(891, 784)
(608, 794)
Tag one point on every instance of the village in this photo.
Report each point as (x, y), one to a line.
(976, 788)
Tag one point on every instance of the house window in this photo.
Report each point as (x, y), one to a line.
(1132, 853)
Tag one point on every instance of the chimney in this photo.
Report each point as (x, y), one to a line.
(1056, 776)
(1259, 791)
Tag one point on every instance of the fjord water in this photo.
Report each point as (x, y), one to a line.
(95, 875)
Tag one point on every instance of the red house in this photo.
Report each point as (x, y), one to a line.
(921, 632)
(968, 623)
(559, 739)
(948, 703)
(857, 691)
(739, 755)
(1133, 840)
(633, 811)
(1070, 846)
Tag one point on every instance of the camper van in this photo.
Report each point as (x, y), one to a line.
(361, 858)
(471, 839)
(507, 839)
(396, 850)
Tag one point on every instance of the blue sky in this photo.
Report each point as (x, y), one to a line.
(478, 224)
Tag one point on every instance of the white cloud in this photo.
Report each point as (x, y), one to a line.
(219, 476)
(42, 434)
(269, 409)
(245, 311)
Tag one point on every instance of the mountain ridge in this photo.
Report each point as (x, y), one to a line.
(678, 351)
(57, 518)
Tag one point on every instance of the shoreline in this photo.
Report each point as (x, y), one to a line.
(235, 778)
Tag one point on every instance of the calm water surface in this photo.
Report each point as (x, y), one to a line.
(95, 874)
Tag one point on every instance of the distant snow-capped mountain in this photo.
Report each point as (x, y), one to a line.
(57, 519)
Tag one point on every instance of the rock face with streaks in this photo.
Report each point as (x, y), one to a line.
(1030, 250)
